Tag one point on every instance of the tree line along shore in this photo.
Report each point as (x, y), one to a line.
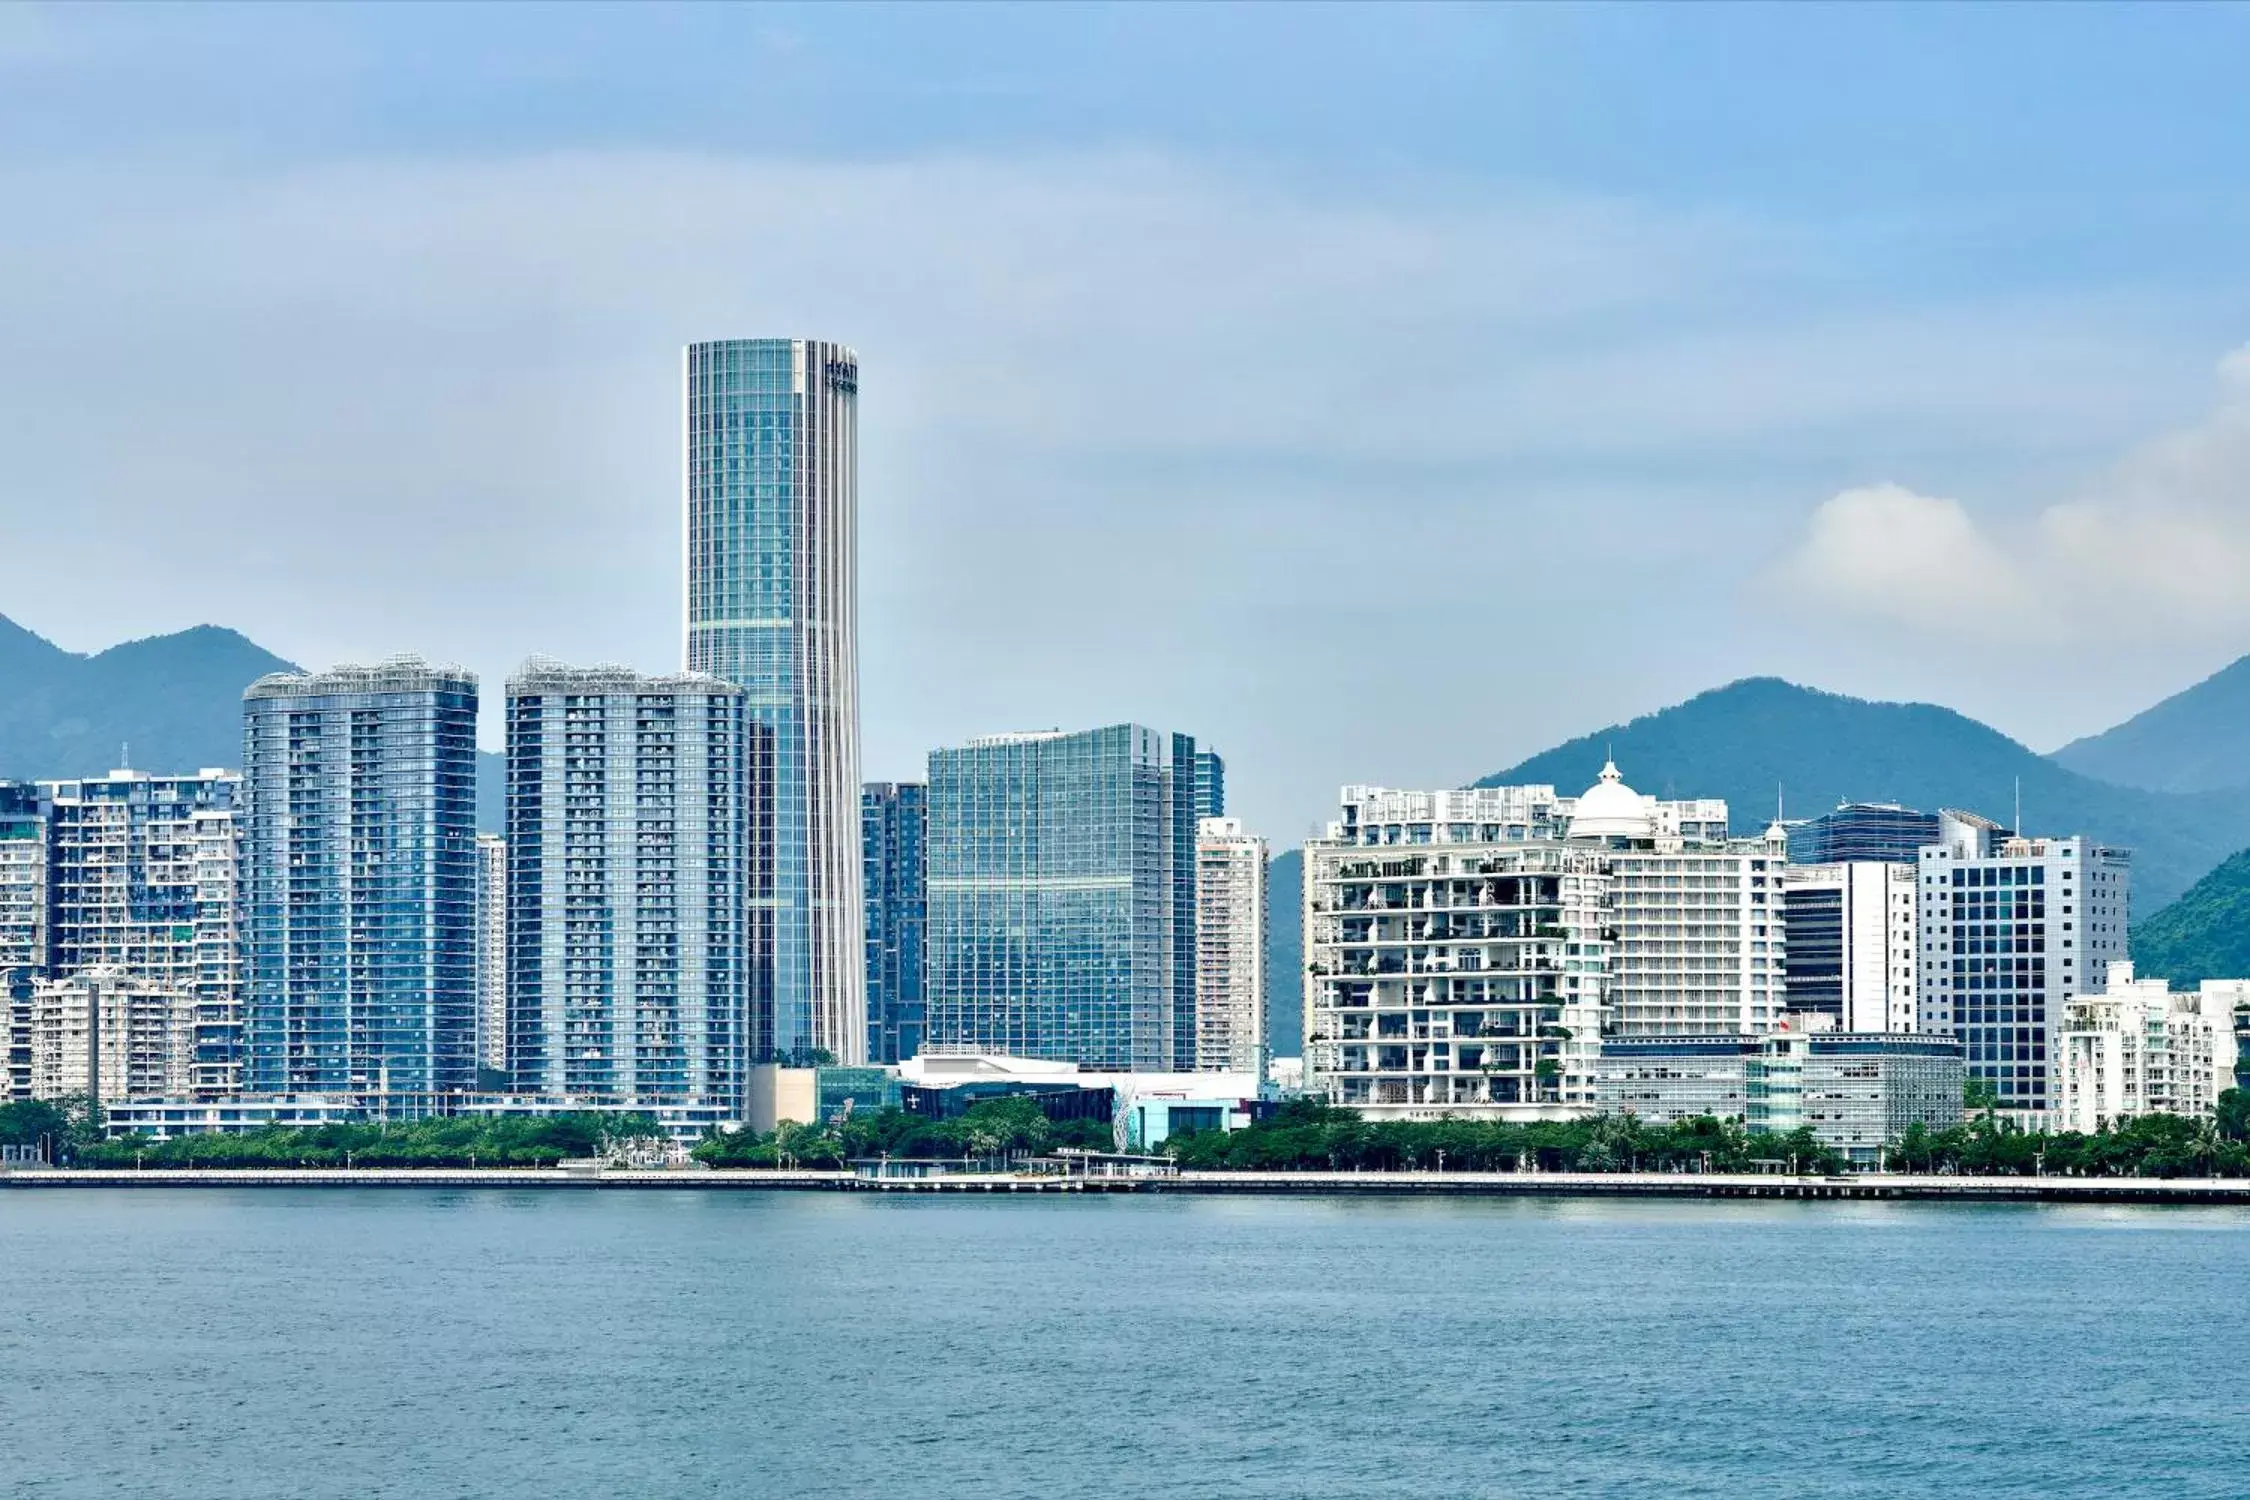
(1302, 1136)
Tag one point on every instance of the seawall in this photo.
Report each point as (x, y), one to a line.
(1869, 1187)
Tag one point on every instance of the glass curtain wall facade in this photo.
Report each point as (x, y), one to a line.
(1061, 896)
(360, 879)
(1858, 832)
(628, 838)
(2011, 929)
(772, 604)
(893, 822)
(1199, 792)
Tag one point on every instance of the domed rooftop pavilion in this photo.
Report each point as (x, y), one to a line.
(1609, 809)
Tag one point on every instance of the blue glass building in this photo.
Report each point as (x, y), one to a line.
(1061, 895)
(893, 821)
(359, 880)
(772, 605)
(1881, 832)
(628, 846)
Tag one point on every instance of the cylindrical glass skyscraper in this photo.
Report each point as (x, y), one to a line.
(772, 596)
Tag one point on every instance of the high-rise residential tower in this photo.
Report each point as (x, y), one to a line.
(141, 878)
(1061, 895)
(359, 880)
(492, 953)
(627, 853)
(1230, 948)
(893, 822)
(23, 878)
(772, 484)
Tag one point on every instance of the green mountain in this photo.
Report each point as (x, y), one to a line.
(2194, 741)
(2203, 935)
(1754, 740)
(169, 702)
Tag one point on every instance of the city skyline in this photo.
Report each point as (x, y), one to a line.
(1115, 306)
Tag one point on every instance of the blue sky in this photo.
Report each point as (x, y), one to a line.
(1381, 394)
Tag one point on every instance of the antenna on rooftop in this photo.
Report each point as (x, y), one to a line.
(2019, 806)
(125, 755)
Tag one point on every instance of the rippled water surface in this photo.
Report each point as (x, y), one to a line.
(568, 1345)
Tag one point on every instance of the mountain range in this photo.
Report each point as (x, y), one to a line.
(167, 703)
(1764, 744)
(2203, 935)
(2194, 741)
(2173, 783)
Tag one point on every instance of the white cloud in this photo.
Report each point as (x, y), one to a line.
(2158, 547)
(1886, 550)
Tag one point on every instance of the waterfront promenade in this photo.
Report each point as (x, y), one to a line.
(1865, 1187)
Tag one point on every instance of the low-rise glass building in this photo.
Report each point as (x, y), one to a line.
(1857, 1091)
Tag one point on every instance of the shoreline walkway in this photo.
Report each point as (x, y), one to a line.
(1864, 1187)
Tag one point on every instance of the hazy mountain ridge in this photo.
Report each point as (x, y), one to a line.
(173, 703)
(2197, 740)
(169, 702)
(1761, 737)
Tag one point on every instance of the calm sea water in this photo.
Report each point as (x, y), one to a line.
(568, 1345)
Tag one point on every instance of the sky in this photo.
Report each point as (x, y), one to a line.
(1380, 395)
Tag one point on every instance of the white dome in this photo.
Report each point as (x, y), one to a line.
(1611, 810)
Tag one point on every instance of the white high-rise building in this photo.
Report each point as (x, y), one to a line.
(111, 1034)
(1454, 977)
(2010, 929)
(1698, 942)
(1230, 948)
(492, 952)
(2138, 1048)
(1852, 950)
(772, 593)
(1467, 951)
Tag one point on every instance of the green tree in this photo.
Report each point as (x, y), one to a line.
(2234, 1114)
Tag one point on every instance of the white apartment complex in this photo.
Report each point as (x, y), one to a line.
(2139, 1048)
(1230, 948)
(1700, 940)
(1454, 979)
(112, 1035)
(1467, 950)
(2011, 929)
(1853, 953)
